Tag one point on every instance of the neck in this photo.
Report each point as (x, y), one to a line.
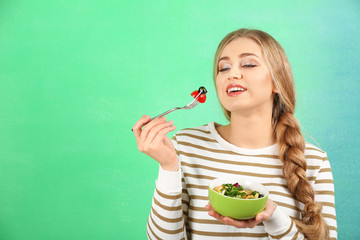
(249, 131)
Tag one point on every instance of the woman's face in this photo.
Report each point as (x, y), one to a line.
(244, 81)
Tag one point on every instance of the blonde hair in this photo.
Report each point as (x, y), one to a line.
(286, 129)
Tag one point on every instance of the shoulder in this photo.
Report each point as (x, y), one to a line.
(311, 149)
(315, 156)
(203, 133)
(200, 130)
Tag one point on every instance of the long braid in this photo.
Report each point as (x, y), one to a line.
(291, 152)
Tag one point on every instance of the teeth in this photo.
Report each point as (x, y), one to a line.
(234, 89)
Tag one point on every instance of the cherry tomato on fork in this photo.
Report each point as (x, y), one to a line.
(202, 97)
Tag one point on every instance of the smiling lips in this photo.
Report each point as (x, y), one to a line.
(234, 90)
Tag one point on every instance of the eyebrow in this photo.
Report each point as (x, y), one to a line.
(240, 56)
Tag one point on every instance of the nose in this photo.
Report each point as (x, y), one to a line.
(235, 76)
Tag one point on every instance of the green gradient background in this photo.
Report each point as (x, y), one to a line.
(76, 75)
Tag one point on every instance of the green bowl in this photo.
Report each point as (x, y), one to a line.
(235, 207)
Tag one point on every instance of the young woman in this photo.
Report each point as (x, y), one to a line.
(262, 142)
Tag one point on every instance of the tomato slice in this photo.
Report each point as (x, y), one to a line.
(202, 98)
(194, 93)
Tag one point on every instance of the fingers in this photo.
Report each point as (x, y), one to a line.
(268, 211)
(250, 223)
(151, 130)
(139, 124)
(213, 213)
(151, 136)
(163, 132)
(158, 131)
(144, 122)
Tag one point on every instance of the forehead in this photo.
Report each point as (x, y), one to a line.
(239, 46)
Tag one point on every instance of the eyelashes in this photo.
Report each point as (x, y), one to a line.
(223, 69)
(249, 65)
(226, 68)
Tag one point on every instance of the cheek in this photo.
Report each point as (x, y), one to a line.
(221, 79)
(218, 84)
(218, 92)
(269, 82)
(264, 80)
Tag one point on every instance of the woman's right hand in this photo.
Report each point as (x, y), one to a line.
(153, 141)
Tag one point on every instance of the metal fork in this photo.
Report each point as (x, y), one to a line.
(191, 105)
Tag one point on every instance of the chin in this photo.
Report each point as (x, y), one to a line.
(235, 107)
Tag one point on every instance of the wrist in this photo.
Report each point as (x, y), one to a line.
(277, 222)
(172, 166)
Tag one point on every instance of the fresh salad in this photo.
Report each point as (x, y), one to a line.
(237, 191)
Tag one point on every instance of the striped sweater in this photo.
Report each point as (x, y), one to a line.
(178, 211)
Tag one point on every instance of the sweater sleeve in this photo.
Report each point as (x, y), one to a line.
(281, 226)
(324, 194)
(169, 207)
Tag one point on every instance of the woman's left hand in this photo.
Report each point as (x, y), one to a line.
(250, 223)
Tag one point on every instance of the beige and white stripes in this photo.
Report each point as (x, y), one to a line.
(178, 211)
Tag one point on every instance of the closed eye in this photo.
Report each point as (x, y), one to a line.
(224, 69)
(249, 65)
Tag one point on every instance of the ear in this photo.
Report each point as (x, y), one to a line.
(275, 89)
